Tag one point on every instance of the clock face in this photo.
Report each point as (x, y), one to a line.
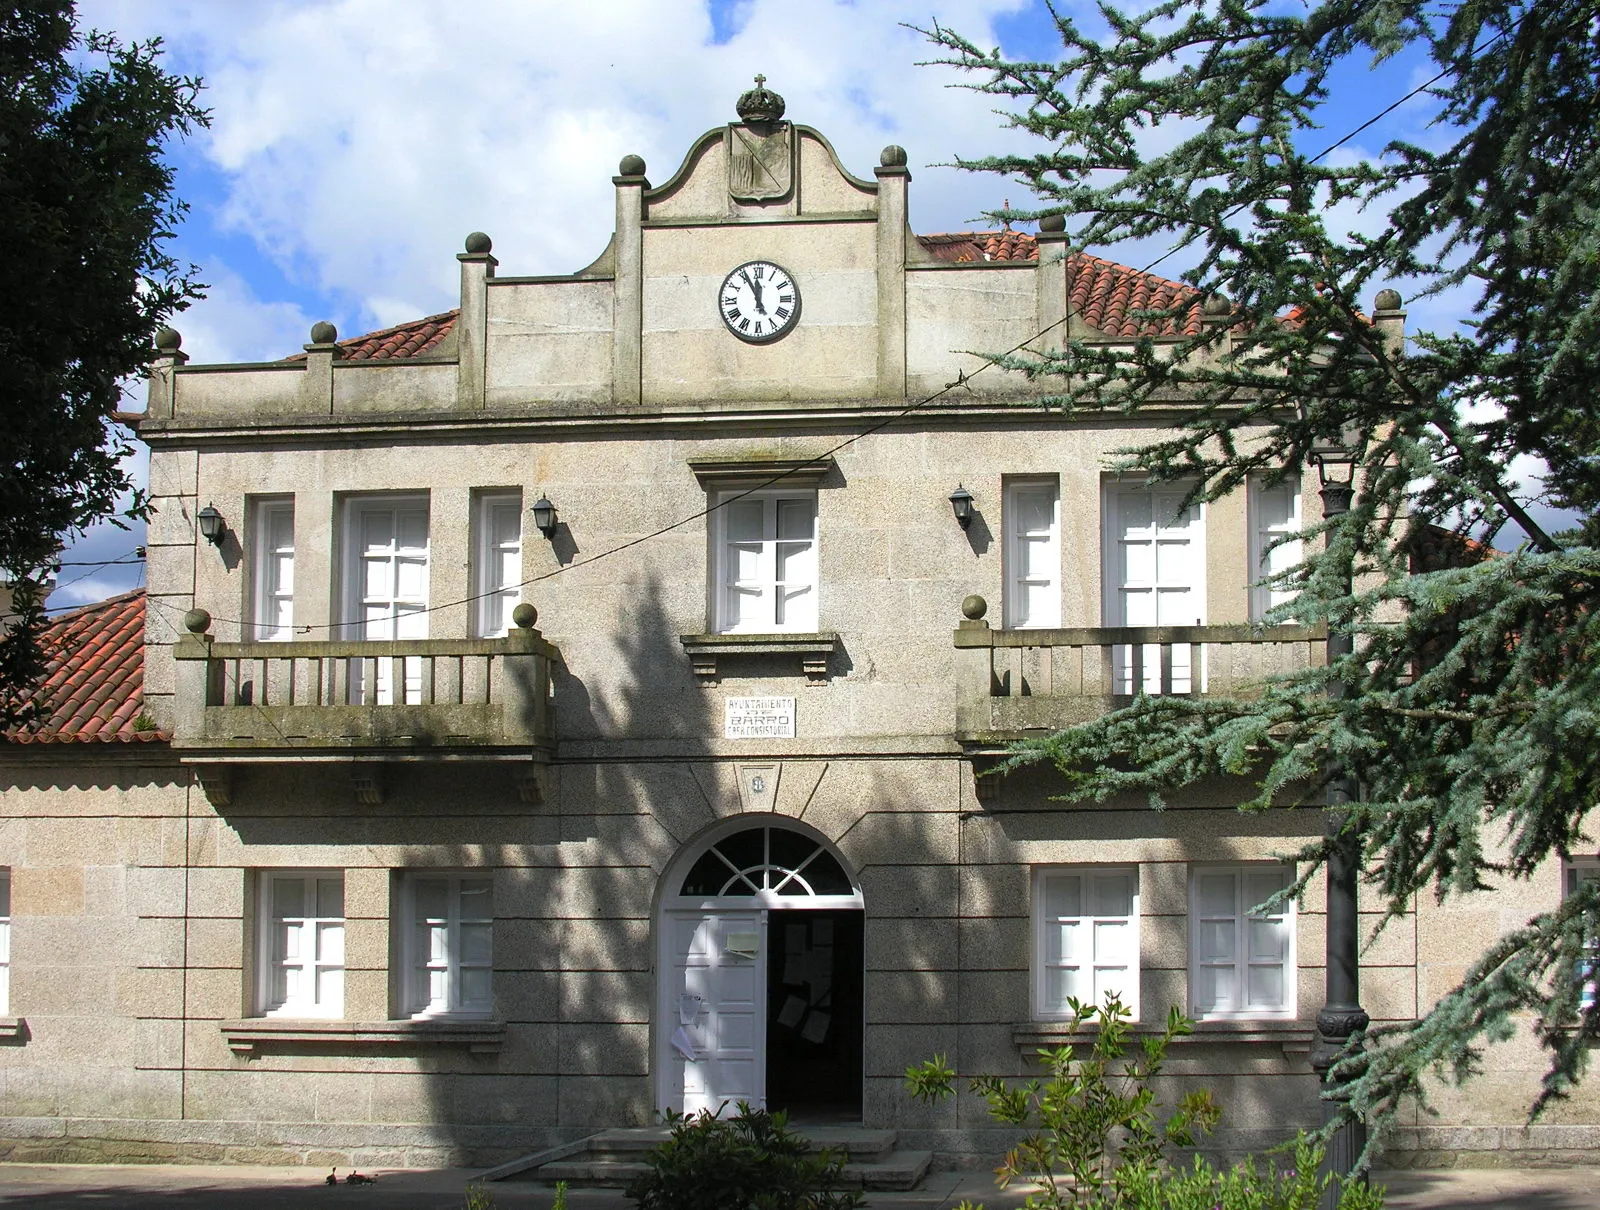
(759, 302)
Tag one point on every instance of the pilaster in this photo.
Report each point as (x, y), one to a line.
(628, 308)
(893, 182)
(472, 325)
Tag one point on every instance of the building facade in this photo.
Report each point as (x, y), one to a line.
(578, 704)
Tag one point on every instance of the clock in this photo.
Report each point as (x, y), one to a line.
(759, 302)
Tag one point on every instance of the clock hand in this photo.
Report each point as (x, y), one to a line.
(756, 286)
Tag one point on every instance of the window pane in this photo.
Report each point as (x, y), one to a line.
(288, 897)
(1066, 946)
(1213, 988)
(1269, 940)
(795, 519)
(330, 990)
(477, 899)
(1112, 942)
(1111, 895)
(330, 898)
(432, 898)
(744, 520)
(413, 529)
(1113, 981)
(330, 944)
(1215, 940)
(1063, 895)
(1261, 885)
(475, 989)
(1266, 987)
(289, 943)
(1216, 894)
(475, 943)
(1060, 983)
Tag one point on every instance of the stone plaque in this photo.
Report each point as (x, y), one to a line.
(758, 718)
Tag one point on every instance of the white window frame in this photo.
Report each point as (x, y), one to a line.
(1016, 598)
(1579, 870)
(417, 1001)
(1241, 961)
(1113, 604)
(277, 935)
(271, 601)
(801, 614)
(354, 602)
(496, 594)
(1263, 554)
(5, 940)
(1044, 920)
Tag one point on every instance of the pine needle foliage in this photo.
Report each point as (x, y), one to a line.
(1470, 709)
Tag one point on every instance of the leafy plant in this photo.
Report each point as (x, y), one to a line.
(561, 1196)
(1093, 1125)
(1245, 1187)
(478, 1198)
(751, 1161)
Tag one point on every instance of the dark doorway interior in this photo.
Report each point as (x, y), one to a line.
(814, 1014)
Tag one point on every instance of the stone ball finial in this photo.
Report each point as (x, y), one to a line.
(1387, 300)
(974, 607)
(197, 621)
(631, 165)
(524, 616)
(168, 340)
(323, 333)
(479, 243)
(1218, 306)
(1053, 222)
(760, 104)
(892, 156)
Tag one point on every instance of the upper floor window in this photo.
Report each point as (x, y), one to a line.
(1032, 523)
(1240, 964)
(1274, 515)
(1086, 938)
(272, 568)
(385, 584)
(1154, 575)
(449, 944)
(301, 944)
(764, 562)
(496, 560)
(1580, 872)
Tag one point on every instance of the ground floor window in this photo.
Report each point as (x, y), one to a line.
(301, 944)
(1581, 873)
(1086, 937)
(449, 943)
(1241, 963)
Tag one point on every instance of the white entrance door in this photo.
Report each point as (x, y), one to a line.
(389, 589)
(1155, 576)
(715, 1031)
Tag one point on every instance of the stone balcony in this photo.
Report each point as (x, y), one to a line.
(367, 705)
(1019, 681)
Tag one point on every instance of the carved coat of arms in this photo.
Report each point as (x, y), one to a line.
(760, 165)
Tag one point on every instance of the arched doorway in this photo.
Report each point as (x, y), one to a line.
(760, 974)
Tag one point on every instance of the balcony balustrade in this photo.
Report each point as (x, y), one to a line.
(362, 701)
(1018, 681)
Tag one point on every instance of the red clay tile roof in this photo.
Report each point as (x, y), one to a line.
(93, 689)
(411, 339)
(1103, 292)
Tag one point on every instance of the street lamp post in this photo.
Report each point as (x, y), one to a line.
(1341, 1015)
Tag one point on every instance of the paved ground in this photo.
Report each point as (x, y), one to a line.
(148, 1187)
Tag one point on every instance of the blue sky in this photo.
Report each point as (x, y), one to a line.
(356, 142)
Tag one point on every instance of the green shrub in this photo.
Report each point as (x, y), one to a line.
(751, 1161)
(1097, 1140)
(1094, 1118)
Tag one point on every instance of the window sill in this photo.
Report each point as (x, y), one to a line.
(1296, 1037)
(814, 651)
(248, 1038)
(13, 1031)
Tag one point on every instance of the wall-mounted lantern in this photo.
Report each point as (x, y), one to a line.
(544, 516)
(212, 527)
(961, 503)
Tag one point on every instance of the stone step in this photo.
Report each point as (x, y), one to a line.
(896, 1170)
(586, 1173)
(855, 1141)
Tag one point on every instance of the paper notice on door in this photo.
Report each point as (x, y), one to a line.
(793, 1009)
(683, 1043)
(816, 1027)
(689, 1009)
(743, 945)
